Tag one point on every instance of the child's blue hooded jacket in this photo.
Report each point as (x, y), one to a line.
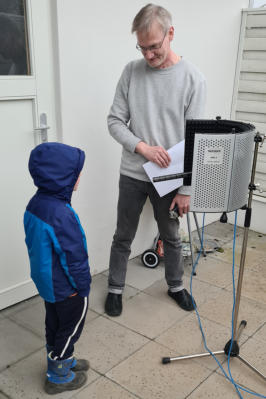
(55, 239)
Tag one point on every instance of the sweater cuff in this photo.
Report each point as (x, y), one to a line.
(132, 144)
(185, 190)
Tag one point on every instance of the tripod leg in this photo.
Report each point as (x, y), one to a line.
(241, 327)
(166, 360)
(199, 235)
(251, 367)
(190, 240)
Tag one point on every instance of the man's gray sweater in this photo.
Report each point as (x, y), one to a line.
(151, 105)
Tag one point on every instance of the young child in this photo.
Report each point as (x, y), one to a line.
(59, 260)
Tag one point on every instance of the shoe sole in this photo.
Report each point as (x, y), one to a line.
(53, 389)
(113, 314)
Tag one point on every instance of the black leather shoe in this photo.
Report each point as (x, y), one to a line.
(113, 304)
(183, 299)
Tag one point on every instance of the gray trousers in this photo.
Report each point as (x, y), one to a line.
(132, 197)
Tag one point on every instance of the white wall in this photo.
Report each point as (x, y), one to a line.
(95, 43)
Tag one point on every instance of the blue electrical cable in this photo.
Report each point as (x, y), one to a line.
(230, 378)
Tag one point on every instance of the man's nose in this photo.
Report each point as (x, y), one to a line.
(148, 54)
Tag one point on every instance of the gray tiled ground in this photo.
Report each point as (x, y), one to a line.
(125, 352)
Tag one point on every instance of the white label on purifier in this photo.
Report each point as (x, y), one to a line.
(213, 156)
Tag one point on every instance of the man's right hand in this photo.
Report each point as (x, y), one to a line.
(154, 154)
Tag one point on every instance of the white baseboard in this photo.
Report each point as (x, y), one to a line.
(17, 293)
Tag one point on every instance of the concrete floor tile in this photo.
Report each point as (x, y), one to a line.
(260, 266)
(254, 353)
(106, 343)
(148, 315)
(254, 283)
(201, 291)
(104, 389)
(215, 272)
(91, 315)
(185, 339)
(16, 342)
(21, 305)
(215, 386)
(99, 291)
(257, 241)
(144, 375)
(25, 379)
(141, 277)
(260, 335)
(253, 256)
(220, 310)
(33, 318)
(222, 231)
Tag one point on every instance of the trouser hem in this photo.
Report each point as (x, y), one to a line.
(176, 289)
(115, 290)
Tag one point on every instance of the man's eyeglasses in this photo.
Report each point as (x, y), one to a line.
(154, 47)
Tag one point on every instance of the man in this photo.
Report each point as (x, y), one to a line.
(154, 97)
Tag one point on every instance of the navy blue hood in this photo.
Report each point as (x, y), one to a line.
(55, 168)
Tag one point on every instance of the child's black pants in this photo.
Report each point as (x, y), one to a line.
(64, 323)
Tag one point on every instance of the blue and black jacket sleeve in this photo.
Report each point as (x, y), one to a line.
(70, 245)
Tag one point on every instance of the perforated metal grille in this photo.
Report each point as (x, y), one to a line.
(241, 170)
(210, 182)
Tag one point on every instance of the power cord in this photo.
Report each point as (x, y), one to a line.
(230, 377)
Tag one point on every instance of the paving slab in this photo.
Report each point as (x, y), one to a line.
(21, 305)
(260, 335)
(255, 353)
(253, 256)
(257, 241)
(144, 375)
(215, 386)
(202, 291)
(215, 271)
(223, 231)
(141, 277)
(220, 310)
(104, 388)
(254, 283)
(33, 318)
(16, 342)
(185, 338)
(25, 380)
(148, 315)
(99, 291)
(105, 343)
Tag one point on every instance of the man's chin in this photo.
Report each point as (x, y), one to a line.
(155, 63)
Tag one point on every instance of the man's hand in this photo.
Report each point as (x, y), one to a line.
(182, 201)
(154, 154)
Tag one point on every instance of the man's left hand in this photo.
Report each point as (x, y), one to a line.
(182, 201)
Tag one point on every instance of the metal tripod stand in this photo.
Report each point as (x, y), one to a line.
(236, 332)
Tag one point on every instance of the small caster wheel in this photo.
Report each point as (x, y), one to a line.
(150, 258)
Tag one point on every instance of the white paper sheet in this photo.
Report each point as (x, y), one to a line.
(176, 166)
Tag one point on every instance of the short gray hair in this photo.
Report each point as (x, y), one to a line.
(147, 15)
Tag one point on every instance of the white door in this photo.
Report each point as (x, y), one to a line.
(27, 90)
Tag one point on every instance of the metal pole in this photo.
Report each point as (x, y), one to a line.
(198, 230)
(245, 238)
(190, 239)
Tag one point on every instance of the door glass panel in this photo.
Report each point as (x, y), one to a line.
(14, 53)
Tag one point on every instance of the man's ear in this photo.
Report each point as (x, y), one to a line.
(171, 33)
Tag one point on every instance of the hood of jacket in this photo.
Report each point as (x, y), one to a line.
(55, 168)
